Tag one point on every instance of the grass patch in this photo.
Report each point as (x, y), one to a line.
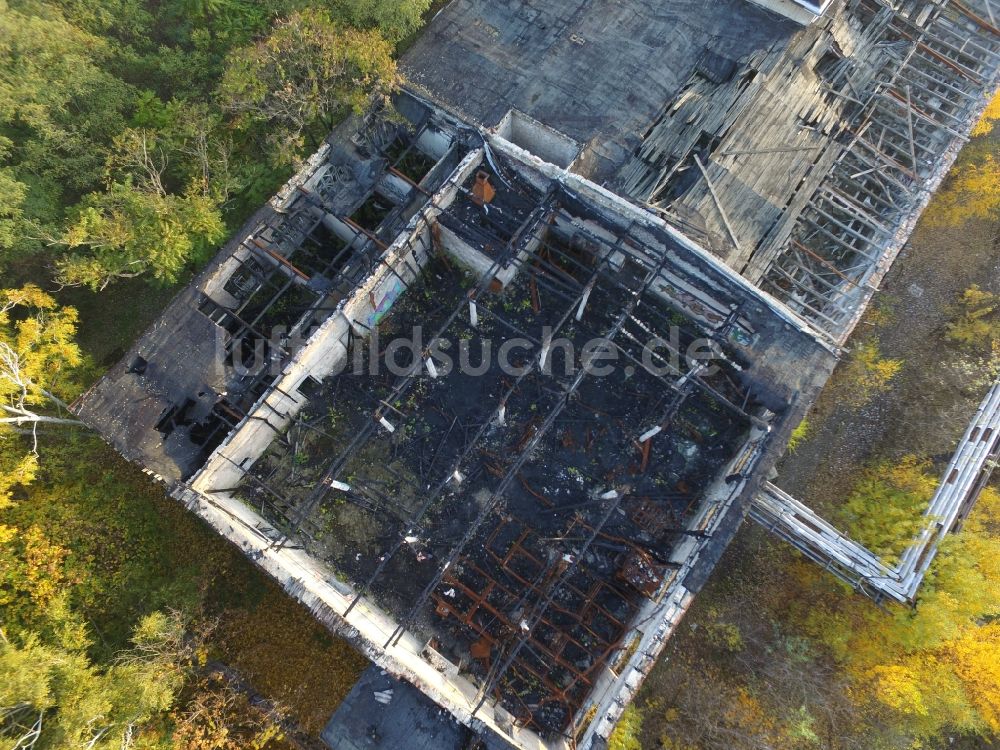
(122, 549)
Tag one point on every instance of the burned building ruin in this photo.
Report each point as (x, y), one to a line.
(519, 541)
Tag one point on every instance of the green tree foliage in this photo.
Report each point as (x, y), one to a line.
(884, 512)
(305, 74)
(394, 19)
(12, 196)
(113, 20)
(142, 225)
(203, 9)
(58, 105)
(626, 734)
(801, 433)
(52, 697)
(117, 158)
(127, 232)
(227, 94)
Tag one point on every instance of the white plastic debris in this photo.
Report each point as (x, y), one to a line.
(583, 301)
(651, 432)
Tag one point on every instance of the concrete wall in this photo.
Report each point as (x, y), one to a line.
(537, 138)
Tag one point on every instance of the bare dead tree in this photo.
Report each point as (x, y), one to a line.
(21, 407)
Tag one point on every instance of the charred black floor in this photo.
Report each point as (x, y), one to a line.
(469, 501)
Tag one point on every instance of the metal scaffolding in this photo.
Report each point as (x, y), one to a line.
(938, 58)
(964, 478)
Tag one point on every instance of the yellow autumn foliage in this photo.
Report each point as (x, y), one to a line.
(976, 656)
(936, 665)
(38, 335)
(899, 492)
(15, 471)
(867, 373)
(972, 191)
(897, 687)
(626, 734)
(989, 118)
(37, 357)
(31, 568)
(976, 324)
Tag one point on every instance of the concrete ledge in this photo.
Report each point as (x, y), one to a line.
(800, 11)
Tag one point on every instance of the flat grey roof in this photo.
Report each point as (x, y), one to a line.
(595, 70)
(408, 720)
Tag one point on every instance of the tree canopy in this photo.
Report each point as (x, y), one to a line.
(126, 232)
(59, 105)
(37, 357)
(134, 135)
(52, 697)
(304, 74)
(120, 158)
(934, 665)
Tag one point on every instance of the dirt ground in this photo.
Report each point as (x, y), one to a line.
(932, 398)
